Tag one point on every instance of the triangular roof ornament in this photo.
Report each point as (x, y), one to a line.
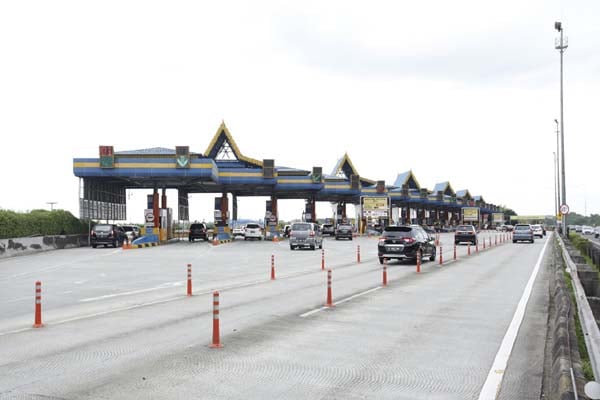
(445, 188)
(344, 168)
(464, 194)
(222, 147)
(407, 178)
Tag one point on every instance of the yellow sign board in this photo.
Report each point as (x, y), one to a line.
(470, 214)
(375, 203)
(497, 218)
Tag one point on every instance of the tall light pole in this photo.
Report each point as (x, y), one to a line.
(52, 203)
(561, 45)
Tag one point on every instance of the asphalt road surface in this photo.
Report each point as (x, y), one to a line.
(118, 324)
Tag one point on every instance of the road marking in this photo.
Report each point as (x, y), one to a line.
(306, 314)
(109, 296)
(491, 387)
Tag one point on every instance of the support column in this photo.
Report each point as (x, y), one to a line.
(272, 218)
(155, 209)
(183, 213)
(234, 208)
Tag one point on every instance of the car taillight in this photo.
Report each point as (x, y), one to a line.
(92, 233)
(312, 233)
(382, 239)
(408, 240)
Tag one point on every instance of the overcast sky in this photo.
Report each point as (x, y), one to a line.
(464, 91)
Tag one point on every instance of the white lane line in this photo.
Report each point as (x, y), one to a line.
(306, 314)
(491, 387)
(109, 296)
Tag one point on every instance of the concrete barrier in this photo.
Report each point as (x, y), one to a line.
(565, 361)
(30, 245)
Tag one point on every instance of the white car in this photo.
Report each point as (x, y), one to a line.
(238, 231)
(537, 230)
(587, 230)
(252, 231)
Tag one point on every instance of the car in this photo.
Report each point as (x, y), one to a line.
(107, 234)
(597, 232)
(465, 233)
(328, 229)
(538, 230)
(587, 230)
(198, 231)
(305, 234)
(578, 228)
(252, 231)
(523, 232)
(132, 232)
(238, 231)
(405, 242)
(343, 231)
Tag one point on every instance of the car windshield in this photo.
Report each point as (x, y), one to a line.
(344, 226)
(465, 228)
(252, 226)
(301, 227)
(128, 228)
(522, 227)
(197, 226)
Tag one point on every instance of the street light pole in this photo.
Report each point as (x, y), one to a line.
(561, 46)
(52, 203)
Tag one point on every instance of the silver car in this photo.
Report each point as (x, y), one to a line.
(523, 232)
(305, 234)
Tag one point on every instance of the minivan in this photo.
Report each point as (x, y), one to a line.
(305, 234)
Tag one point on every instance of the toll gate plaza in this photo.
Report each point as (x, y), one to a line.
(223, 169)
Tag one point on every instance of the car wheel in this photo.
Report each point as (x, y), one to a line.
(380, 260)
(514, 241)
(292, 247)
(350, 238)
(433, 254)
(321, 246)
(456, 242)
(245, 238)
(312, 247)
(94, 246)
(532, 240)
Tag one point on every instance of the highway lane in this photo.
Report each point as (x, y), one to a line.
(436, 332)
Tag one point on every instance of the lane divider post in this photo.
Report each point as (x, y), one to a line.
(38, 305)
(496, 240)
(490, 242)
(358, 253)
(484, 243)
(329, 296)
(272, 267)
(455, 252)
(189, 279)
(385, 272)
(418, 262)
(469, 249)
(216, 336)
(322, 259)
(441, 256)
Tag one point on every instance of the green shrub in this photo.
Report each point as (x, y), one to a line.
(40, 222)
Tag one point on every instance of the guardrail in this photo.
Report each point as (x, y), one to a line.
(588, 321)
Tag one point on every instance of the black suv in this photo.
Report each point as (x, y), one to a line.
(107, 234)
(327, 229)
(405, 242)
(343, 231)
(198, 231)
